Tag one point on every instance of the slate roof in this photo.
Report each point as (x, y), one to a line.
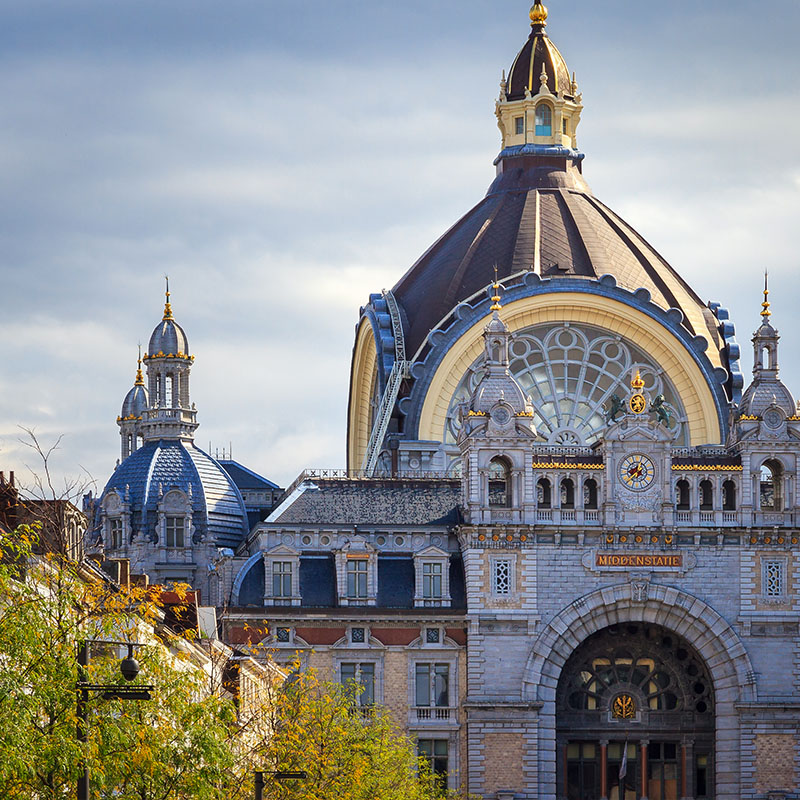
(218, 508)
(381, 501)
(245, 478)
(578, 237)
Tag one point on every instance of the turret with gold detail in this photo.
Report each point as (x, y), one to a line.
(767, 390)
(539, 107)
(170, 414)
(134, 407)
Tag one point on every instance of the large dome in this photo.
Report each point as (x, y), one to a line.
(218, 510)
(540, 216)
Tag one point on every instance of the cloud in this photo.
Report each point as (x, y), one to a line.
(282, 161)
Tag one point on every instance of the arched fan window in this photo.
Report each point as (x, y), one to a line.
(571, 372)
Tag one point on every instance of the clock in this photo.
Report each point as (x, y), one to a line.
(637, 472)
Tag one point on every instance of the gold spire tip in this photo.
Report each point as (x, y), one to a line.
(167, 305)
(139, 376)
(538, 13)
(496, 296)
(765, 312)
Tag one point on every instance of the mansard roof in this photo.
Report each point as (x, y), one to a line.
(378, 501)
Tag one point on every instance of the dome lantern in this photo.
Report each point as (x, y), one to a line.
(539, 108)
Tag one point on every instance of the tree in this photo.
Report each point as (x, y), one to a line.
(348, 752)
(181, 744)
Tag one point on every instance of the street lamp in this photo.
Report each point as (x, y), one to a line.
(129, 668)
(280, 775)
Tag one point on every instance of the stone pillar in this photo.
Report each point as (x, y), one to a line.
(604, 769)
(643, 766)
(687, 757)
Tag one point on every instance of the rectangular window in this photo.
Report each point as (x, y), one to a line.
(564, 126)
(175, 531)
(432, 581)
(432, 685)
(357, 579)
(282, 579)
(501, 577)
(434, 751)
(115, 531)
(519, 125)
(773, 579)
(361, 679)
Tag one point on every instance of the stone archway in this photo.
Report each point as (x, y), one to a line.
(689, 617)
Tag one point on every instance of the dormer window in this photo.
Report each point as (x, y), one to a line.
(357, 578)
(544, 120)
(519, 126)
(175, 531)
(432, 580)
(115, 533)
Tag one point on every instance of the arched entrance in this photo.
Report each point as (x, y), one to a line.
(635, 717)
(687, 616)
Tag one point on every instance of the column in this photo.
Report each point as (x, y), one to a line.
(687, 766)
(643, 766)
(604, 769)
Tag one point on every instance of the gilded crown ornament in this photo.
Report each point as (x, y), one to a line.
(538, 14)
(139, 376)
(637, 383)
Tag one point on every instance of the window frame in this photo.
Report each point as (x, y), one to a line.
(174, 524)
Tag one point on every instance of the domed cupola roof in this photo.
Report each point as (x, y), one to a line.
(767, 389)
(538, 54)
(218, 511)
(137, 400)
(168, 338)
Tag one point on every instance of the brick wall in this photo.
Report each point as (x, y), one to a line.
(775, 762)
(503, 762)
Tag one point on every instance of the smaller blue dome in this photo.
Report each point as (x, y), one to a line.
(168, 338)
(136, 402)
(218, 511)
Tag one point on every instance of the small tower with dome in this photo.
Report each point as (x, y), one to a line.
(134, 408)
(171, 414)
(497, 436)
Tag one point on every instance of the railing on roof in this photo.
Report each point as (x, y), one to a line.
(363, 475)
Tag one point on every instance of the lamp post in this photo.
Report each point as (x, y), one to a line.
(280, 775)
(129, 668)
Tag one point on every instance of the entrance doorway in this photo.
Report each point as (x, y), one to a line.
(635, 718)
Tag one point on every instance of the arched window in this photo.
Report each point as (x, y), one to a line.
(729, 496)
(499, 483)
(683, 495)
(770, 493)
(706, 495)
(567, 493)
(168, 392)
(590, 494)
(543, 493)
(544, 120)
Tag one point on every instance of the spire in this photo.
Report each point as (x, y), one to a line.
(139, 377)
(765, 312)
(167, 305)
(538, 14)
(496, 296)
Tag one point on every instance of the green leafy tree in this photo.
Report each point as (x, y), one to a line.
(181, 744)
(348, 752)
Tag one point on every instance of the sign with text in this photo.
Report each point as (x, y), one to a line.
(639, 560)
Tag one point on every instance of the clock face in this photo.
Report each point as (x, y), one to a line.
(637, 472)
(773, 418)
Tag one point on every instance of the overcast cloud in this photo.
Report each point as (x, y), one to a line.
(282, 160)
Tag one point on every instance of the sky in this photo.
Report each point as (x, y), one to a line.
(282, 160)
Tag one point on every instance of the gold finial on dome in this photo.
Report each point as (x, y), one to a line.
(167, 305)
(496, 296)
(637, 383)
(538, 13)
(139, 376)
(765, 312)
